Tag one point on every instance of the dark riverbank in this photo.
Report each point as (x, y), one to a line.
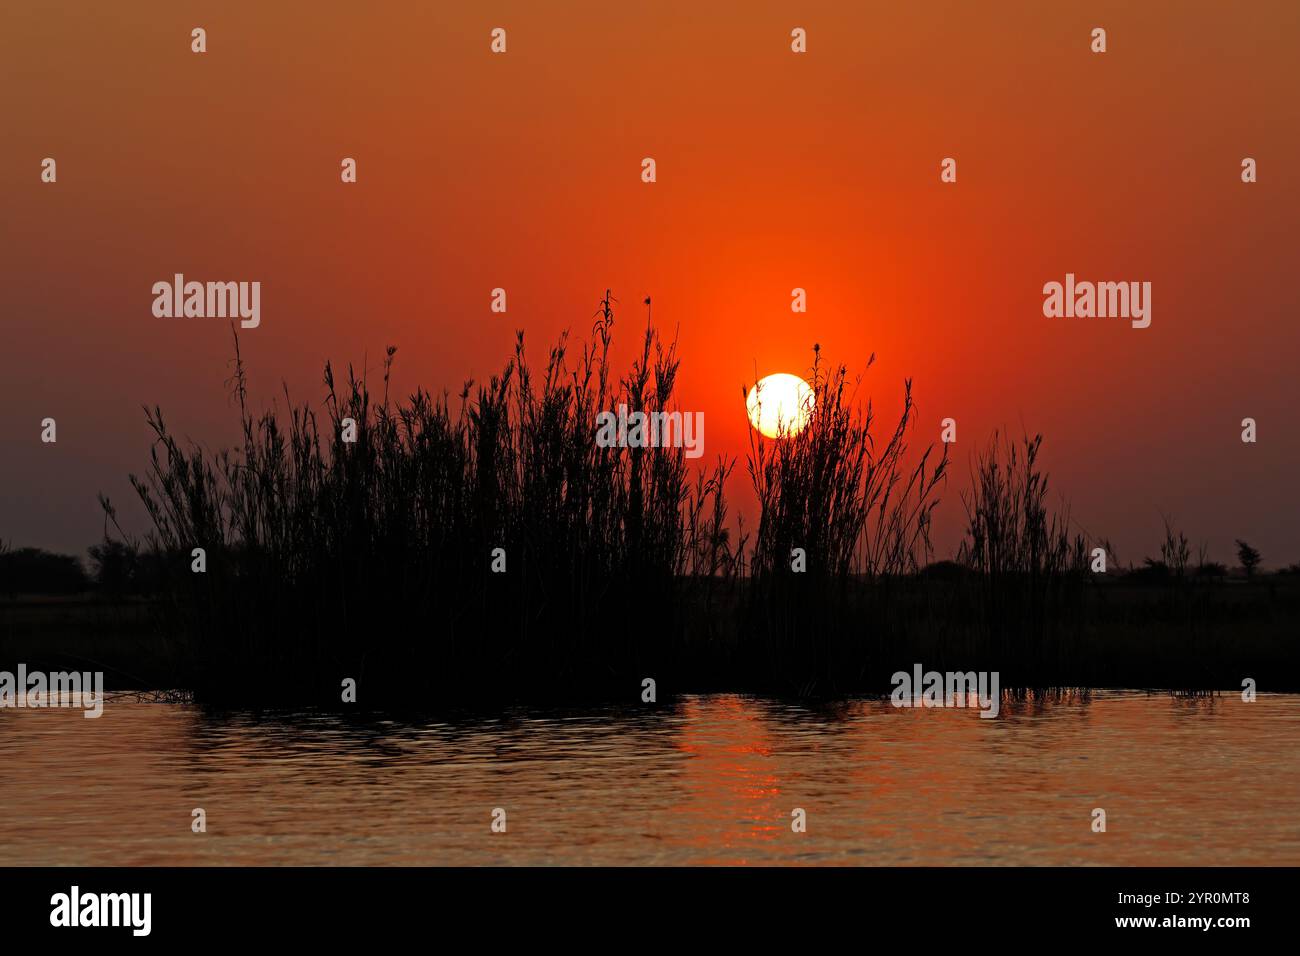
(1120, 633)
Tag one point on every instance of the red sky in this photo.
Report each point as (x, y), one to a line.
(775, 170)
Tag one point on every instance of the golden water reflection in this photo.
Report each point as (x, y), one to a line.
(710, 780)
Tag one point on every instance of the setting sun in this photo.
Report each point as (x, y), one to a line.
(779, 404)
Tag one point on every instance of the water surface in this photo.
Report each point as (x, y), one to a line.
(711, 780)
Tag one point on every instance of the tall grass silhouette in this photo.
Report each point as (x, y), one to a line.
(374, 559)
(1031, 571)
(839, 515)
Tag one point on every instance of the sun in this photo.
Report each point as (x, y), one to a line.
(780, 404)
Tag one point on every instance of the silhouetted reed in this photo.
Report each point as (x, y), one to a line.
(839, 516)
(358, 539)
(373, 559)
(1030, 570)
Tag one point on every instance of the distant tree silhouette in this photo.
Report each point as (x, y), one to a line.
(34, 571)
(116, 567)
(1248, 557)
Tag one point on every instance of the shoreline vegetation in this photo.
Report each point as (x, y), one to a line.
(485, 548)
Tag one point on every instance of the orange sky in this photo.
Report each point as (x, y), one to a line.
(775, 170)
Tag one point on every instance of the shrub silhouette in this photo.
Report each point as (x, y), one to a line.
(1248, 557)
(36, 571)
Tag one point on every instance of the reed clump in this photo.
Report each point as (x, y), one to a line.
(840, 517)
(377, 558)
(1031, 571)
(486, 546)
